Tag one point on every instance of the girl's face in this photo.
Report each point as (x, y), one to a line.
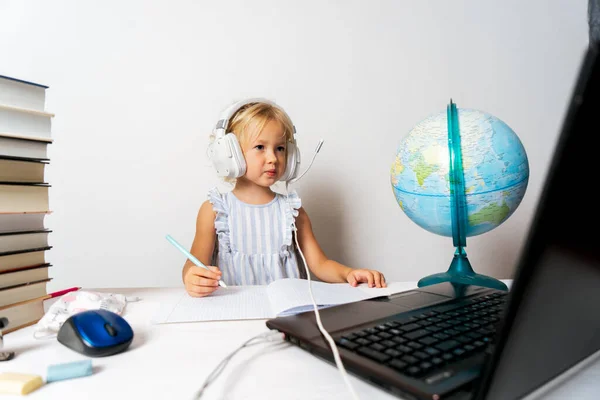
(265, 155)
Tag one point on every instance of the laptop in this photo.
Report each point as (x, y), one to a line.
(450, 341)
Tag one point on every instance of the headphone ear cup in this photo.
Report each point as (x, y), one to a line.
(239, 164)
(227, 157)
(292, 166)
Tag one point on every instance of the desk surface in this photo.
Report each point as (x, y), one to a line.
(172, 361)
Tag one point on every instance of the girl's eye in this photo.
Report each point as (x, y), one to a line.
(260, 147)
(281, 148)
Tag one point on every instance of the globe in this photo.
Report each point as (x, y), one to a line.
(493, 172)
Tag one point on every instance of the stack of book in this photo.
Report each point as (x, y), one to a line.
(25, 132)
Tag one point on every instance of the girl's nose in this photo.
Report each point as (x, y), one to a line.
(271, 157)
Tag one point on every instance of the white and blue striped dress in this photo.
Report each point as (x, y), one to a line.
(255, 242)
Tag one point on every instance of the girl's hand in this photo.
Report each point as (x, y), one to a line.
(372, 277)
(200, 282)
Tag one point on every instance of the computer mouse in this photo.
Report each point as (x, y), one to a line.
(96, 333)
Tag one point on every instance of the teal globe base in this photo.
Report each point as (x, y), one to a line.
(460, 271)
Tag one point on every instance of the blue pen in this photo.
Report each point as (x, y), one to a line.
(191, 257)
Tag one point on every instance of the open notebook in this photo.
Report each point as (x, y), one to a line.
(280, 298)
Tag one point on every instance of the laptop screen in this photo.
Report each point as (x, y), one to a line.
(552, 320)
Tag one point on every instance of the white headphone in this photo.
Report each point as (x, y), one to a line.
(226, 154)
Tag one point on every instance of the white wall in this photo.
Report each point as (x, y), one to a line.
(137, 86)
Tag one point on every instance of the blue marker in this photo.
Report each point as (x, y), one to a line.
(191, 257)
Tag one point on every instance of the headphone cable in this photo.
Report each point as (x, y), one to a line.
(334, 349)
(265, 337)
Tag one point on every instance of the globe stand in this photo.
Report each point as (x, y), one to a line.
(460, 271)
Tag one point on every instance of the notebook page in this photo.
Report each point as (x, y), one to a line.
(231, 303)
(392, 288)
(290, 296)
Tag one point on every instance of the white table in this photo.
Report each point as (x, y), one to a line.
(170, 361)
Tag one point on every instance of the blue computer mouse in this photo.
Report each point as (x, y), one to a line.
(96, 333)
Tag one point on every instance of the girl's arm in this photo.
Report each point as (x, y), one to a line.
(198, 281)
(325, 269)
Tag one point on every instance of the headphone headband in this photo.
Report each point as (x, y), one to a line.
(221, 126)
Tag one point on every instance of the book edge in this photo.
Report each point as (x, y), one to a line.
(20, 303)
(27, 110)
(24, 81)
(31, 138)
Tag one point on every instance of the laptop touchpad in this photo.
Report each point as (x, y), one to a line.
(415, 299)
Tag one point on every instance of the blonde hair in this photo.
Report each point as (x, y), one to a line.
(249, 121)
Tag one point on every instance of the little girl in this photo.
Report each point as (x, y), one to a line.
(246, 235)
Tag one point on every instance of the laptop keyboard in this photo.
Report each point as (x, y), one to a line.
(421, 344)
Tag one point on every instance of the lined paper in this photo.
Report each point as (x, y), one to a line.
(230, 303)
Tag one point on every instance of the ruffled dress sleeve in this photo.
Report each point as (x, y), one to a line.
(221, 207)
(291, 212)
